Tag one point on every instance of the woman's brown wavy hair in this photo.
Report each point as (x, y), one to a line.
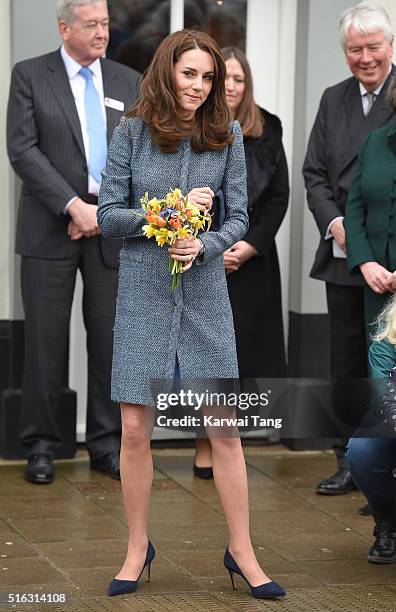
(158, 104)
(248, 113)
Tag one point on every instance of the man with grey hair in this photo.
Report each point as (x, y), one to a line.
(63, 108)
(348, 111)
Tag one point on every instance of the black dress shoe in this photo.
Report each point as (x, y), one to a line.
(384, 548)
(366, 510)
(40, 469)
(338, 484)
(107, 464)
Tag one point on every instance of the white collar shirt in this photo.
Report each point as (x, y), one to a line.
(376, 92)
(77, 84)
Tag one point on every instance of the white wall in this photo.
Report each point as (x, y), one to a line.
(390, 6)
(271, 40)
(325, 66)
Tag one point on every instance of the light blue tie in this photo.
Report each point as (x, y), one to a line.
(95, 126)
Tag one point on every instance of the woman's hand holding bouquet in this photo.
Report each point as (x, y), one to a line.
(176, 220)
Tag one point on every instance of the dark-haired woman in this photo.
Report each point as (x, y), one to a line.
(252, 263)
(252, 266)
(177, 135)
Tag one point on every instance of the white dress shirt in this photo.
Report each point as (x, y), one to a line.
(77, 84)
(364, 91)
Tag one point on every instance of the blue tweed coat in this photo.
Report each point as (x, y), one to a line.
(154, 324)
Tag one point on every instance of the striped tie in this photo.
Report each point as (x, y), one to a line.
(370, 101)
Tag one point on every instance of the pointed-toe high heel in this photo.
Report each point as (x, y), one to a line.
(120, 587)
(268, 590)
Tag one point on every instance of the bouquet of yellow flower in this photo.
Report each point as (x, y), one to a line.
(170, 219)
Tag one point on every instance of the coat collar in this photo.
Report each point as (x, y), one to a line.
(391, 133)
(59, 82)
(358, 126)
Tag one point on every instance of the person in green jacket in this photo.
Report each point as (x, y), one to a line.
(370, 219)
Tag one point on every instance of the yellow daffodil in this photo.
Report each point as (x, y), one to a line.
(171, 219)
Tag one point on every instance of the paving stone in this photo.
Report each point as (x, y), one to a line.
(319, 547)
(350, 571)
(28, 571)
(36, 508)
(363, 525)
(290, 522)
(68, 529)
(302, 471)
(72, 536)
(84, 554)
(14, 487)
(13, 546)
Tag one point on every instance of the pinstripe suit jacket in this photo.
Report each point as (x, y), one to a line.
(46, 150)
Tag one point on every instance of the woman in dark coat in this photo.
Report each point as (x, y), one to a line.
(251, 264)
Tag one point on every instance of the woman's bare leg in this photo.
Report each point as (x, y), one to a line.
(136, 468)
(203, 457)
(229, 471)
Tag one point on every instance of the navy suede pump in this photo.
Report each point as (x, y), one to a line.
(120, 587)
(269, 590)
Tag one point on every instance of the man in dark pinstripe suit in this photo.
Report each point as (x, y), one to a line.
(49, 142)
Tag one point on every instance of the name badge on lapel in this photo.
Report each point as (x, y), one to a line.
(116, 104)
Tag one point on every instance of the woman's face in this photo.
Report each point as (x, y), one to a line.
(234, 84)
(194, 74)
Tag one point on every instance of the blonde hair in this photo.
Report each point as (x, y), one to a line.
(385, 323)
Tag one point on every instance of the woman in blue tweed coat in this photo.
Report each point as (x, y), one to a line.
(177, 135)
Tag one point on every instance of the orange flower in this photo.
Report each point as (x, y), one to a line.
(175, 222)
(156, 219)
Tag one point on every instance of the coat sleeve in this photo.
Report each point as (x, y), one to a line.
(272, 209)
(317, 183)
(115, 217)
(236, 220)
(23, 144)
(358, 246)
(382, 358)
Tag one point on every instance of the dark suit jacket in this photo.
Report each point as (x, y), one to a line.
(338, 133)
(370, 219)
(46, 150)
